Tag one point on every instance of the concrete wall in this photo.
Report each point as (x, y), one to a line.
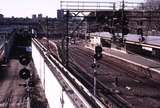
(134, 48)
(156, 53)
(51, 85)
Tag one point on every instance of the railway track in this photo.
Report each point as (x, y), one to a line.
(80, 66)
(128, 77)
(111, 96)
(120, 69)
(87, 80)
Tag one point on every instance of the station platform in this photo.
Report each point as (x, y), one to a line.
(132, 57)
(144, 66)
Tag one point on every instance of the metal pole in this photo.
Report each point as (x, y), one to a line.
(122, 20)
(67, 39)
(94, 70)
(62, 99)
(44, 73)
(47, 35)
(28, 95)
(114, 7)
(95, 79)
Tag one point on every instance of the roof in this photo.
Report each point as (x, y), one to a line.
(153, 40)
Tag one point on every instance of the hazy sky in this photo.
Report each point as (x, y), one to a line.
(23, 8)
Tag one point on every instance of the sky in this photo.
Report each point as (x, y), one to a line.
(25, 8)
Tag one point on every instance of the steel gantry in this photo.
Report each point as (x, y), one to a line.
(78, 11)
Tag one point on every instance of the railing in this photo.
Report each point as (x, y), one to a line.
(61, 87)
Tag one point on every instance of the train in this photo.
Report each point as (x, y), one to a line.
(16, 44)
(2, 55)
(22, 42)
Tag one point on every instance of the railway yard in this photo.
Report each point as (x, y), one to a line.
(94, 54)
(14, 92)
(12, 95)
(116, 81)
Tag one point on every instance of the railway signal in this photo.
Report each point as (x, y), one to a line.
(98, 52)
(25, 59)
(140, 31)
(95, 66)
(97, 56)
(24, 74)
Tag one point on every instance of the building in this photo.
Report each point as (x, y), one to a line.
(34, 16)
(40, 16)
(60, 14)
(1, 16)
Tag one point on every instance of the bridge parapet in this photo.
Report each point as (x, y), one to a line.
(62, 89)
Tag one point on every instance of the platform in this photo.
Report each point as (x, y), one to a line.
(134, 61)
(134, 58)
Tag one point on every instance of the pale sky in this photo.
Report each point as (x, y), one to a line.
(25, 8)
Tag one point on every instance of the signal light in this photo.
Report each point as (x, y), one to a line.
(98, 49)
(93, 65)
(31, 84)
(24, 74)
(98, 52)
(140, 31)
(25, 59)
(97, 56)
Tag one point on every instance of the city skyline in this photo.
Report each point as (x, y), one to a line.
(27, 8)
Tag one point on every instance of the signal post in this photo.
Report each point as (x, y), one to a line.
(97, 56)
